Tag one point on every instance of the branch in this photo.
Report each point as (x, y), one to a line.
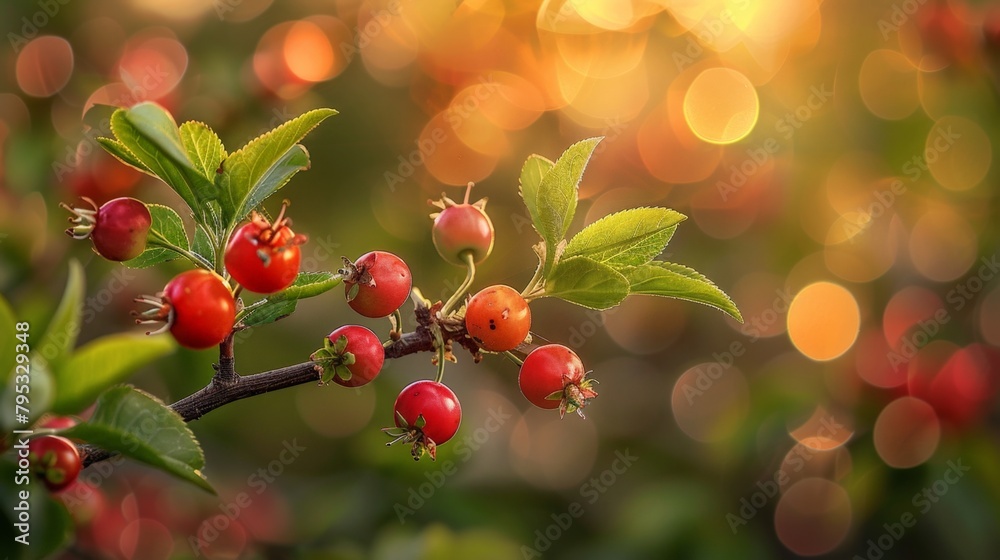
(227, 386)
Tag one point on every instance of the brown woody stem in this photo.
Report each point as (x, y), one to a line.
(227, 386)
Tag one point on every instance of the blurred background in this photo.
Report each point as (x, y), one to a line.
(835, 162)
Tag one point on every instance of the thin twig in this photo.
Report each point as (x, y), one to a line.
(237, 387)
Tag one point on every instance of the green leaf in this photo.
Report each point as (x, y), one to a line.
(98, 116)
(282, 304)
(268, 312)
(556, 199)
(535, 168)
(138, 425)
(678, 281)
(587, 283)
(102, 363)
(203, 147)
(202, 245)
(264, 165)
(60, 336)
(7, 332)
(294, 160)
(150, 133)
(166, 229)
(308, 284)
(627, 238)
(122, 154)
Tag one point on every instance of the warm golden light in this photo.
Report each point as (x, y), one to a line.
(721, 106)
(308, 52)
(823, 321)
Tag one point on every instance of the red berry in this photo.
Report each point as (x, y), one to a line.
(498, 318)
(462, 228)
(552, 376)
(427, 413)
(118, 229)
(376, 284)
(363, 347)
(55, 460)
(198, 309)
(264, 257)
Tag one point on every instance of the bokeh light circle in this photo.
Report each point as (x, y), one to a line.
(943, 244)
(888, 84)
(551, 454)
(823, 321)
(710, 401)
(721, 106)
(906, 433)
(308, 52)
(44, 66)
(989, 317)
(813, 517)
(958, 153)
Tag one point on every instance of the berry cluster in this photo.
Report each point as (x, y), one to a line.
(496, 319)
(235, 249)
(199, 308)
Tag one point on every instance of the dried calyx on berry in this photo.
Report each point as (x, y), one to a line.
(414, 435)
(277, 234)
(264, 256)
(427, 414)
(197, 307)
(376, 284)
(553, 376)
(118, 228)
(83, 219)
